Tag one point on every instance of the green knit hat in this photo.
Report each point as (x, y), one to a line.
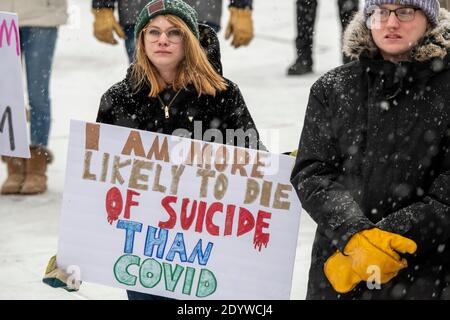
(178, 8)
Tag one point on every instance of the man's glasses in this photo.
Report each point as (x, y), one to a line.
(174, 35)
(403, 14)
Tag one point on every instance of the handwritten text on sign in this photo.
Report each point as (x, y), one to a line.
(10, 32)
(186, 213)
(13, 128)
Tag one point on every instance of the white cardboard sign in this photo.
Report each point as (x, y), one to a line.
(177, 217)
(13, 126)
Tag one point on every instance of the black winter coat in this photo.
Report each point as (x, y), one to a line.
(227, 110)
(374, 152)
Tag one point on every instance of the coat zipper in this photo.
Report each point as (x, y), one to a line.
(167, 106)
(166, 112)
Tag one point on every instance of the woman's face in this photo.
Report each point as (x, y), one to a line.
(395, 38)
(164, 44)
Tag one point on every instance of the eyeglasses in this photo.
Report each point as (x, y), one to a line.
(174, 35)
(403, 14)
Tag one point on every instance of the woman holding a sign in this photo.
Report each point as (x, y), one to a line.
(373, 166)
(175, 86)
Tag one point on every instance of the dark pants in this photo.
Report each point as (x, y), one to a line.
(129, 41)
(306, 17)
(133, 295)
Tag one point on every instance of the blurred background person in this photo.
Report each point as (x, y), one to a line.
(239, 27)
(306, 17)
(39, 21)
(445, 4)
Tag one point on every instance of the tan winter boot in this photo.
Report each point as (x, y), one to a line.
(16, 175)
(35, 172)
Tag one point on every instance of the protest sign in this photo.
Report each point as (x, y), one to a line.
(177, 217)
(13, 127)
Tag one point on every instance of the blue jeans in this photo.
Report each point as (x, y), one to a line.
(38, 47)
(133, 295)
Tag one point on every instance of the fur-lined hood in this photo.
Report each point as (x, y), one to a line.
(435, 43)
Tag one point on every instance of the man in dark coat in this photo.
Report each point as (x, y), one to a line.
(374, 156)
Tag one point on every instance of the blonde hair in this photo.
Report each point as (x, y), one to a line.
(195, 68)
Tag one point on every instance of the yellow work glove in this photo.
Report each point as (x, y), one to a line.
(58, 278)
(104, 25)
(378, 248)
(240, 26)
(390, 242)
(338, 270)
(367, 248)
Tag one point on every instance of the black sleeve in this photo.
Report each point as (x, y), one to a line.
(427, 222)
(98, 4)
(106, 110)
(237, 115)
(317, 172)
(241, 3)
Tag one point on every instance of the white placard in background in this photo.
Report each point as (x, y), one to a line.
(13, 127)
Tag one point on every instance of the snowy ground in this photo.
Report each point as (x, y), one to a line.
(85, 68)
